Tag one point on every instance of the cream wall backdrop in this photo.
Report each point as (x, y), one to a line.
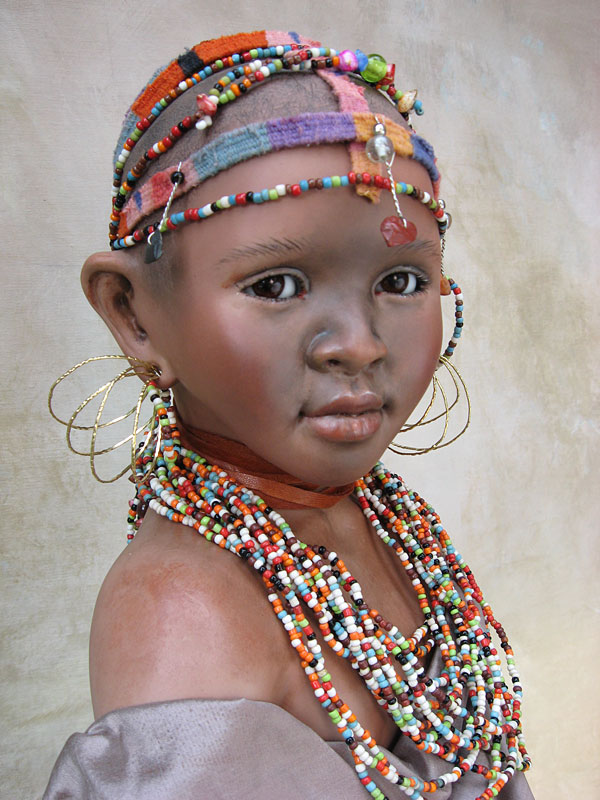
(509, 93)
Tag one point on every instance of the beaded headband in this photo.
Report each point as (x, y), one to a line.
(247, 69)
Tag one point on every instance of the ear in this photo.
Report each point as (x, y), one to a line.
(112, 284)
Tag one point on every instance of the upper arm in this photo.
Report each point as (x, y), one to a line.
(185, 620)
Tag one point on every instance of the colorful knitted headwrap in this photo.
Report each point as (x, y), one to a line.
(215, 73)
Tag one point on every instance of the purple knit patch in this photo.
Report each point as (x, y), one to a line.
(310, 129)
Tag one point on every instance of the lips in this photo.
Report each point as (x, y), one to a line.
(347, 418)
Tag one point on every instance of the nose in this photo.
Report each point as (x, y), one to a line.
(347, 342)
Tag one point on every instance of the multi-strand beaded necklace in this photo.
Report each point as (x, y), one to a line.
(465, 710)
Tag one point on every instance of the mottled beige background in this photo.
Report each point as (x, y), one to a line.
(510, 94)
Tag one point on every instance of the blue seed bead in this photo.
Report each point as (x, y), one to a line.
(418, 106)
(304, 186)
(327, 183)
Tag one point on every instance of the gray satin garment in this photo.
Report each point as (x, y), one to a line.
(213, 749)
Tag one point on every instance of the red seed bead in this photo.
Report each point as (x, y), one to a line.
(352, 177)
(240, 199)
(296, 190)
(366, 178)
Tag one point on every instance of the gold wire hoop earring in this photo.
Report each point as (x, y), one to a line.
(136, 368)
(442, 441)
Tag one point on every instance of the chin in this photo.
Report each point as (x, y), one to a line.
(342, 464)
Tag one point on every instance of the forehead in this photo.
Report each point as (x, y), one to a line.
(334, 219)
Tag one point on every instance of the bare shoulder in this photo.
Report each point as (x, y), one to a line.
(178, 617)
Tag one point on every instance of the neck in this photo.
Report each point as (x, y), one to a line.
(277, 488)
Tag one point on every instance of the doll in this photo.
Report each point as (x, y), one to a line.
(283, 348)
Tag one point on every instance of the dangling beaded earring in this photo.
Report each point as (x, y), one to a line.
(458, 383)
(380, 149)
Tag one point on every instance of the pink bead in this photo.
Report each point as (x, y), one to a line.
(348, 61)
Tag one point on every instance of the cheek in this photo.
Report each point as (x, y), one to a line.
(239, 365)
(416, 349)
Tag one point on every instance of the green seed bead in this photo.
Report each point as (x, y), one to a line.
(254, 53)
(336, 180)
(273, 194)
(218, 64)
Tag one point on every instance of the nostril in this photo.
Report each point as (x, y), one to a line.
(333, 362)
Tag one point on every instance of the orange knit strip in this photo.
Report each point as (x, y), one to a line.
(227, 45)
(208, 51)
(159, 88)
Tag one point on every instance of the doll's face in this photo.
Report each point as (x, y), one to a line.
(292, 327)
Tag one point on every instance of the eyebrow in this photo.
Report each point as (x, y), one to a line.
(285, 246)
(418, 245)
(269, 247)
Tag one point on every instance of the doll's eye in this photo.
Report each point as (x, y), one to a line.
(400, 283)
(277, 287)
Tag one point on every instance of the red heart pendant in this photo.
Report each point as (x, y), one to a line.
(396, 231)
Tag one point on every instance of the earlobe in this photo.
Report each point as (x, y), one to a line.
(113, 288)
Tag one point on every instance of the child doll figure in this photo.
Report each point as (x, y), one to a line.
(285, 340)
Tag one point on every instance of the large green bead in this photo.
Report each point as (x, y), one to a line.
(375, 69)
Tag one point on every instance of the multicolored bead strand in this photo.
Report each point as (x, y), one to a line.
(244, 70)
(175, 221)
(465, 710)
(458, 317)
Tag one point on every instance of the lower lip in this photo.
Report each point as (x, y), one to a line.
(345, 427)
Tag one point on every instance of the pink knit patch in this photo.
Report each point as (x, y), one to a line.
(161, 187)
(279, 37)
(350, 96)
